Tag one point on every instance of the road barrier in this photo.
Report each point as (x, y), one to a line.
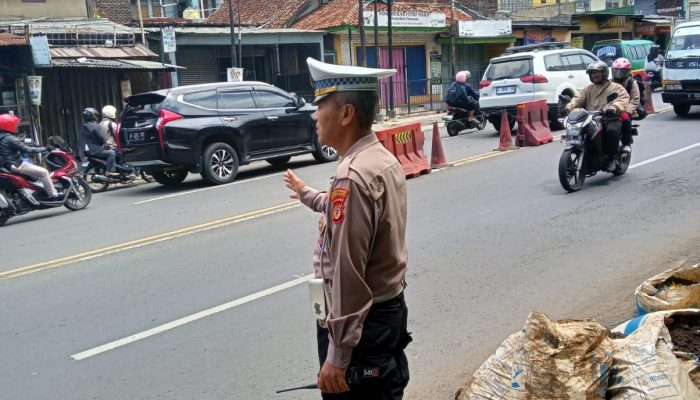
(506, 142)
(648, 102)
(406, 144)
(533, 123)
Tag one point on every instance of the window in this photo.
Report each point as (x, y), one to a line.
(587, 60)
(274, 100)
(553, 63)
(236, 100)
(612, 4)
(206, 99)
(511, 69)
(574, 61)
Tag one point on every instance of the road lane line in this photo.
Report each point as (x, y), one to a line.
(190, 318)
(478, 157)
(662, 156)
(208, 188)
(147, 240)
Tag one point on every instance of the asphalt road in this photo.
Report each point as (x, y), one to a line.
(197, 292)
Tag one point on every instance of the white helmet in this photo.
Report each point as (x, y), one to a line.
(109, 112)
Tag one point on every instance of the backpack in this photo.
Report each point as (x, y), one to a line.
(452, 97)
(641, 108)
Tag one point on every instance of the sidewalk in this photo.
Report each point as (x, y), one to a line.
(426, 120)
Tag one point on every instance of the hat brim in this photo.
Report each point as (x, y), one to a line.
(318, 99)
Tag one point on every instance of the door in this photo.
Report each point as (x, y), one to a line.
(399, 61)
(238, 114)
(286, 126)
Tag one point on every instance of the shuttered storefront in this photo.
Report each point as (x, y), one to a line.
(201, 64)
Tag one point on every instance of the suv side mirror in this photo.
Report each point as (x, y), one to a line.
(300, 101)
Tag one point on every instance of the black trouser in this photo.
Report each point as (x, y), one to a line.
(611, 136)
(627, 132)
(378, 367)
(109, 156)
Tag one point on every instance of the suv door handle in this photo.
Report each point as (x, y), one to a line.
(571, 77)
(229, 119)
(272, 118)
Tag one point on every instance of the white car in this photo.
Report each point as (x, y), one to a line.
(533, 72)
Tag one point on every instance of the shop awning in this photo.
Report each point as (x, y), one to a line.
(478, 40)
(8, 39)
(138, 50)
(120, 64)
(657, 21)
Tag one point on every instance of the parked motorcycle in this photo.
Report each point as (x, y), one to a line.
(580, 159)
(457, 120)
(94, 172)
(20, 194)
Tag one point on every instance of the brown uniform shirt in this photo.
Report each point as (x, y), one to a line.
(594, 97)
(359, 275)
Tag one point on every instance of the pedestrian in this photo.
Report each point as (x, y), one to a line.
(361, 253)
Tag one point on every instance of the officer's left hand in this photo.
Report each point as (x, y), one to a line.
(292, 181)
(332, 379)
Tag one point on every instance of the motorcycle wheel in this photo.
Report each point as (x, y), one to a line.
(80, 196)
(482, 123)
(147, 177)
(95, 186)
(453, 128)
(3, 219)
(622, 162)
(571, 173)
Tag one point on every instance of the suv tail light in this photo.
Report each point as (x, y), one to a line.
(534, 79)
(116, 136)
(484, 84)
(164, 116)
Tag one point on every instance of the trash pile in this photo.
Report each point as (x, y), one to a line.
(653, 356)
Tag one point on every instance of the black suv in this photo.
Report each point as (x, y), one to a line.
(214, 128)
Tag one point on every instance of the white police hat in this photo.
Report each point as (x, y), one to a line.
(329, 78)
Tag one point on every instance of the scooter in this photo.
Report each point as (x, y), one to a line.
(94, 172)
(20, 194)
(580, 159)
(457, 120)
(653, 78)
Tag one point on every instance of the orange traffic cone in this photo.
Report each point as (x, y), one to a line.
(437, 154)
(648, 102)
(506, 138)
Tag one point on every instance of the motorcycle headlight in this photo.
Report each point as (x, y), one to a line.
(573, 130)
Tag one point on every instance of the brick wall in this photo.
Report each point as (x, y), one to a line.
(118, 11)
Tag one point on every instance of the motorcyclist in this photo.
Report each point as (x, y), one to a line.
(92, 142)
(108, 127)
(594, 97)
(468, 97)
(654, 62)
(621, 69)
(11, 150)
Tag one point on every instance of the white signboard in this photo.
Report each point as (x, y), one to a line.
(485, 28)
(408, 19)
(35, 89)
(169, 45)
(234, 74)
(40, 50)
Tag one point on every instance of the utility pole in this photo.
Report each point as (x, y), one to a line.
(376, 35)
(361, 26)
(240, 35)
(452, 39)
(391, 113)
(233, 33)
(143, 34)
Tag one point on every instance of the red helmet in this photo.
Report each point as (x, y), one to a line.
(8, 123)
(621, 68)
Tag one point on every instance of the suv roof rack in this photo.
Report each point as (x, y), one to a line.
(538, 46)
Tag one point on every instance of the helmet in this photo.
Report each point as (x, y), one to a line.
(8, 123)
(90, 114)
(109, 112)
(598, 66)
(621, 68)
(462, 76)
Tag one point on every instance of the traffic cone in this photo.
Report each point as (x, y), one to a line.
(437, 154)
(648, 102)
(506, 138)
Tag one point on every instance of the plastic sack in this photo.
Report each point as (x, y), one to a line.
(646, 366)
(674, 289)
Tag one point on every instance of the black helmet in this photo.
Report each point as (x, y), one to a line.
(90, 114)
(598, 66)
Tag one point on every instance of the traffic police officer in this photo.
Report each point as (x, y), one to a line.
(361, 251)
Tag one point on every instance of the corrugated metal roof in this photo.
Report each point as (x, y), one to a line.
(138, 50)
(132, 65)
(69, 25)
(8, 39)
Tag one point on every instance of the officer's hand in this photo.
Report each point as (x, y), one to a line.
(292, 181)
(332, 379)
(610, 112)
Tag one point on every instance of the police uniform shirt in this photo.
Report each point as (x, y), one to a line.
(358, 278)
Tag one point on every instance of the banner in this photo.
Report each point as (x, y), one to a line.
(531, 38)
(169, 43)
(234, 74)
(407, 19)
(35, 89)
(485, 28)
(670, 8)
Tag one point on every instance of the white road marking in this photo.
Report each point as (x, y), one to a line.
(661, 157)
(190, 318)
(208, 188)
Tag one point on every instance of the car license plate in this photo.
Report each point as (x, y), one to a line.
(505, 90)
(136, 136)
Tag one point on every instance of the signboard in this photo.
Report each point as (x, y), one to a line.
(577, 42)
(644, 29)
(534, 38)
(407, 19)
(670, 8)
(35, 89)
(125, 88)
(234, 74)
(612, 22)
(169, 45)
(40, 50)
(436, 69)
(485, 28)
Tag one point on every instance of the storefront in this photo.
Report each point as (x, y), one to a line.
(597, 27)
(15, 67)
(658, 30)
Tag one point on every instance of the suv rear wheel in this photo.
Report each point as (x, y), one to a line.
(170, 177)
(219, 163)
(324, 153)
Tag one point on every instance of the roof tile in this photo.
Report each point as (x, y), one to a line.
(270, 13)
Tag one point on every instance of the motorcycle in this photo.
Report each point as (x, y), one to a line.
(20, 194)
(580, 159)
(94, 172)
(457, 120)
(653, 79)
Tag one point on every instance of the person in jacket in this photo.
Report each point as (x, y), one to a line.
(621, 74)
(108, 126)
(11, 150)
(594, 98)
(94, 143)
(468, 97)
(360, 254)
